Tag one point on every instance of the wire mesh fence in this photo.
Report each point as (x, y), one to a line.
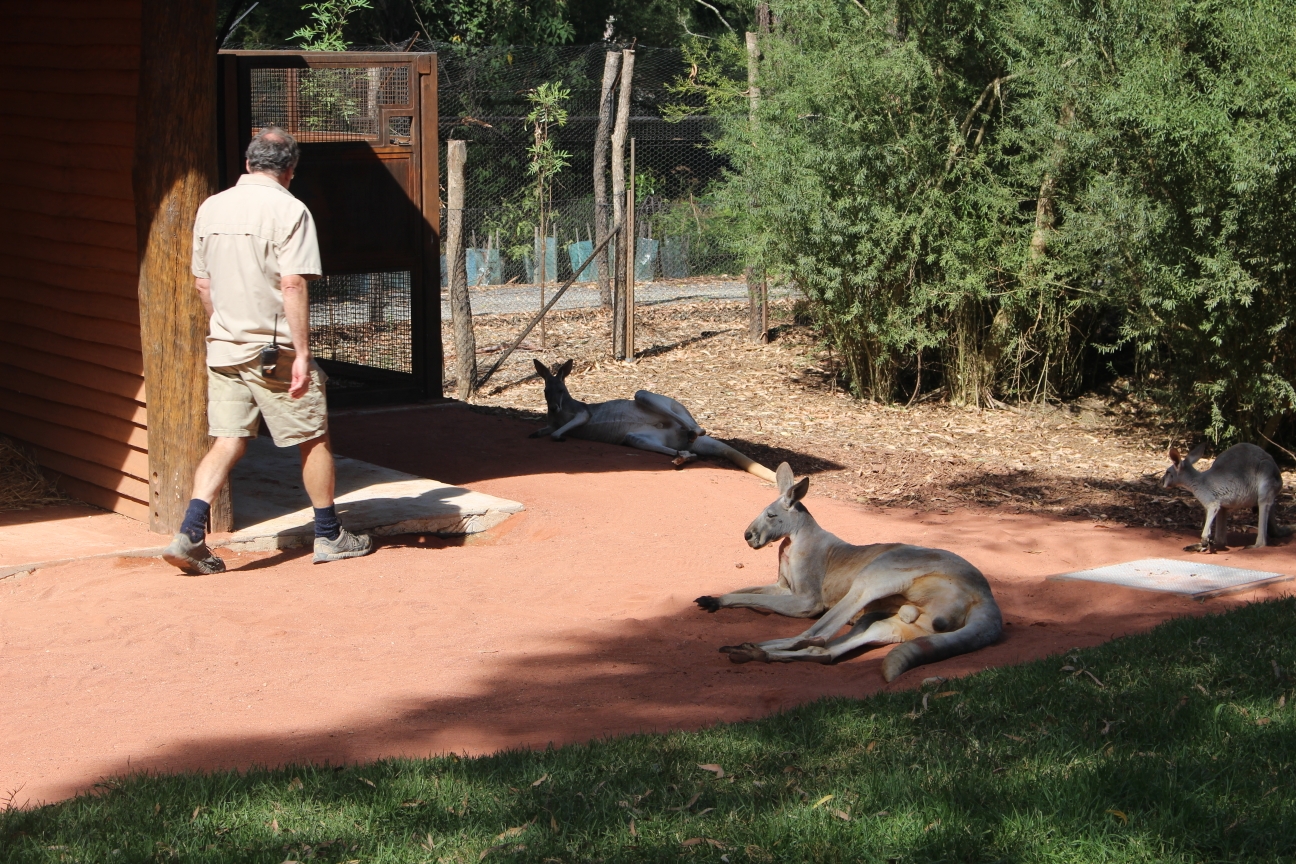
(523, 238)
(484, 100)
(686, 247)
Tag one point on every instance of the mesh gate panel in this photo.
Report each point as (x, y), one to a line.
(333, 104)
(363, 318)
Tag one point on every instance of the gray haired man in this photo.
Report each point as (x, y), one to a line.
(254, 249)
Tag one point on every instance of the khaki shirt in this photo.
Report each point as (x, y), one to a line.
(245, 239)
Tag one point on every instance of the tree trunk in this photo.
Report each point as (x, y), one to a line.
(756, 314)
(174, 171)
(607, 100)
(625, 243)
(755, 297)
(460, 306)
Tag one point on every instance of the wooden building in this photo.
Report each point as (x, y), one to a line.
(108, 144)
(71, 369)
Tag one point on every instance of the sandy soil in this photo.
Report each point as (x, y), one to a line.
(572, 621)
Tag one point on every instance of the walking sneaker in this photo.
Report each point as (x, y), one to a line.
(347, 545)
(193, 558)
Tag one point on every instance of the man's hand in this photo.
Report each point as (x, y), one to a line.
(301, 379)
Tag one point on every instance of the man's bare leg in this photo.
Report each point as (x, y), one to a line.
(317, 470)
(214, 469)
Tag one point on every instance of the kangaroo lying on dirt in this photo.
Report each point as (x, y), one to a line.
(1242, 477)
(934, 602)
(648, 422)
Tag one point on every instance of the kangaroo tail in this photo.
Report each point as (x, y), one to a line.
(984, 625)
(708, 446)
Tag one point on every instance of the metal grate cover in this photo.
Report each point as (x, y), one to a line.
(363, 318)
(1194, 578)
(331, 104)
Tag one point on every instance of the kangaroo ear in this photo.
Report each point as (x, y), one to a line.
(797, 492)
(540, 367)
(1196, 453)
(1175, 456)
(564, 370)
(784, 477)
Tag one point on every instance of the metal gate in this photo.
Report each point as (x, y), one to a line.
(367, 125)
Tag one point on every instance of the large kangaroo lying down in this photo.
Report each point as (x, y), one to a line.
(934, 602)
(648, 422)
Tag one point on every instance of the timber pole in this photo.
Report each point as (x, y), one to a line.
(632, 243)
(460, 305)
(607, 101)
(174, 171)
(625, 241)
(757, 291)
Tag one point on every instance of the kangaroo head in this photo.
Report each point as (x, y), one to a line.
(1181, 467)
(555, 384)
(785, 515)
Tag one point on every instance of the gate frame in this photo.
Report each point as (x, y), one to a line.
(234, 130)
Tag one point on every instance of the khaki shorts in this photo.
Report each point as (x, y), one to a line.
(238, 396)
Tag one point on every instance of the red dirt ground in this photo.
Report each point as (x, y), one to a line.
(572, 621)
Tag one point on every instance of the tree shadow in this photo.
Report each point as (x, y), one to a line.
(462, 444)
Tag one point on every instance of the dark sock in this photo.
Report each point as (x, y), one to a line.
(326, 522)
(194, 525)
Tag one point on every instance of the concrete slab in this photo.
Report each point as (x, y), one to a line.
(48, 536)
(1200, 579)
(271, 510)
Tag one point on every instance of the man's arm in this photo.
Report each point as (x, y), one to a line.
(204, 294)
(296, 303)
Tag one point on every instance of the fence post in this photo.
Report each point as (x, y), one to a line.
(624, 240)
(632, 242)
(607, 98)
(757, 293)
(460, 306)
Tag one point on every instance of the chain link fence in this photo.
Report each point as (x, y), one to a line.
(686, 248)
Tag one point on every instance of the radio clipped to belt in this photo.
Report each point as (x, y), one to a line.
(270, 353)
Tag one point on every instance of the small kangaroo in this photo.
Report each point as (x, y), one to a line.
(934, 602)
(648, 422)
(1243, 476)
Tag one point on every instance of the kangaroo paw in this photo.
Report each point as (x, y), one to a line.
(745, 653)
(709, 603)
(817, 642)
(684, 457)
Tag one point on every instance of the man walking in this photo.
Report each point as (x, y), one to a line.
(254, 250)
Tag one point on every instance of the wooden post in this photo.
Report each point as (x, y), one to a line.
(174, 171)
(756, 296)
(460, 305)
(764, 305)
(428, 352)
(632, 248)
(626, 239)
(602, 136)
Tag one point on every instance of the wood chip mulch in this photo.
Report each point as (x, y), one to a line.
(1099, 458)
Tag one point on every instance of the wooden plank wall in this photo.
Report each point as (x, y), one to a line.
(71, 374)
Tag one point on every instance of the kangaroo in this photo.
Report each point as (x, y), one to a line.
(1243, 476)
(648, 422)
(932, 601)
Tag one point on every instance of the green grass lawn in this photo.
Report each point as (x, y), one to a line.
(1176, 745)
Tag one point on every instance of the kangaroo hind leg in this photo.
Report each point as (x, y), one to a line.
(659, 404)
(653, 444)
